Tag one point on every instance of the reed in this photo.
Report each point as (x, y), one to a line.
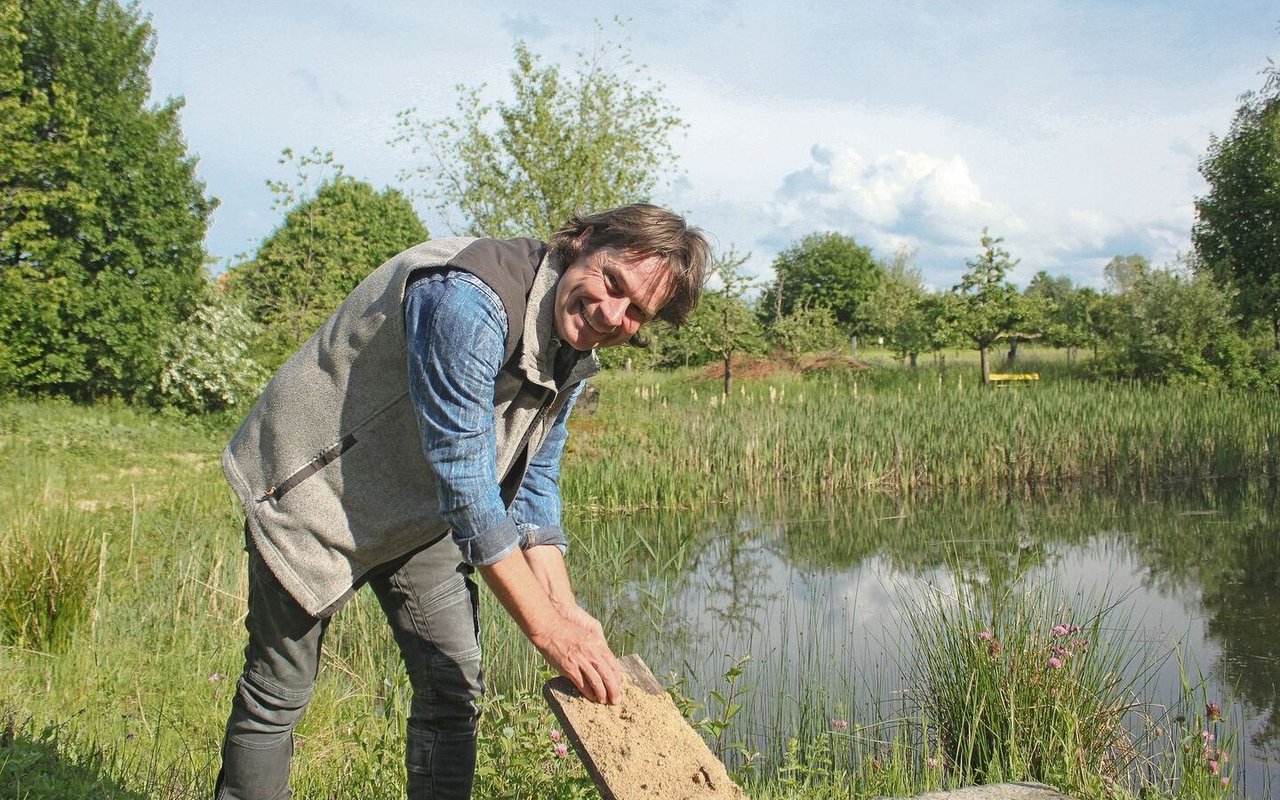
(676, 441)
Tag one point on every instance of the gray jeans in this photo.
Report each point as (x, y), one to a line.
(431, 603)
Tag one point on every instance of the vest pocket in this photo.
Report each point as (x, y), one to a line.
(322, 459)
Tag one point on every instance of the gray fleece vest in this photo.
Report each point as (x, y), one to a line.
(328, 464)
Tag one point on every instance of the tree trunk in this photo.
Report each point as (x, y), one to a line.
(728, 372)
(1013, 351)
(912, 356)
(986, 365)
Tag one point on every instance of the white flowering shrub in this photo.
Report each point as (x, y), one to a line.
(207, 363)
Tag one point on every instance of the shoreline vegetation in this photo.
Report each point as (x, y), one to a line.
(122, 585)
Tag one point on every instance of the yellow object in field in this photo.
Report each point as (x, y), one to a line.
(1002, 377)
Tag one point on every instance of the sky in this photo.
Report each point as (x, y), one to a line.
(1072, 130)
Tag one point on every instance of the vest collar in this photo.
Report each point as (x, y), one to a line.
(539, 344)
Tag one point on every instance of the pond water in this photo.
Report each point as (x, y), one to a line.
(817, 597)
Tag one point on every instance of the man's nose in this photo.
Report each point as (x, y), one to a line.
(614, 310)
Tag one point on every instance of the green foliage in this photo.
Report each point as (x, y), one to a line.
(827, 270)
(901, 311)
(1178, 328)
(207, 362)
(103, 220)
(808, 330)
(1123, 272)
(1071, 317)
(722, 325)
(327, 243)
(41, 764)
(985, 306)
(1237, 229)
(522, 752)
(593, 139)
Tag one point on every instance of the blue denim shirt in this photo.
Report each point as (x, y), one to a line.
(456, 329)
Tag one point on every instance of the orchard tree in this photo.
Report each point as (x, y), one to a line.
(593, 138)
(102, 219)
(1070, 314)
(327, 243)
(827, 270)
(898, 311)
(985, 306)
(1237, 229)
(723, 323)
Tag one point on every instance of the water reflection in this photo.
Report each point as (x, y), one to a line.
(815, 594)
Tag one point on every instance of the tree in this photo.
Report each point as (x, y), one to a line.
(808, 330)
(102, 219)
(1237, 229)
(1071, 314)
(723, 324)
(1179, 327)
(327, 243)
(593, 139)
(897, 310)
(1122, 272)
(827, 270)
(207, 363)
(985, 307)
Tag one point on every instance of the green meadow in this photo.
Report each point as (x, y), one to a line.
(122, 586)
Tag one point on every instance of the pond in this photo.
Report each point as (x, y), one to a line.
(818, 596)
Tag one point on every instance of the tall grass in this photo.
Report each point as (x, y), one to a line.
(1020, 686)
(658, 441)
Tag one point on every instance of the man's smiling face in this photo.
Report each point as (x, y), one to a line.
(604, 297)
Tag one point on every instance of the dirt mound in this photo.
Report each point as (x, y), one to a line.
(779, 363)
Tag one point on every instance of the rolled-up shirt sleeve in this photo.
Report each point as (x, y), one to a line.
(537, 503)
(456, 331)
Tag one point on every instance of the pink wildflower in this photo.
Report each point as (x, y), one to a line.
(1213, 767)
(1055, 662)
(985, 636)
(562, 750)
(1225, 781)
(216, 677)
(840, 724)
(932, 763)
(1060, 630)
(555, 735)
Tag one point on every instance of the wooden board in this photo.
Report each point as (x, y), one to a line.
(642, 748)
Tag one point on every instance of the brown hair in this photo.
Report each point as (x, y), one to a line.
(644, 230)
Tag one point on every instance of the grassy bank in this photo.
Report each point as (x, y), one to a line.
(123, 583)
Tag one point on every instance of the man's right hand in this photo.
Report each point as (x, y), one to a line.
(580, 653)
(572, 642)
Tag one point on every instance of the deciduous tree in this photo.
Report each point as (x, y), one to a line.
(592, 138)
(897, 310)
(1237, 229)
(102, 218)
(828, 270)
(327, 243)
(723, 324)
(985, 306)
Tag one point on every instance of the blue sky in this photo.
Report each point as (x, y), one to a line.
(1071, 129)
